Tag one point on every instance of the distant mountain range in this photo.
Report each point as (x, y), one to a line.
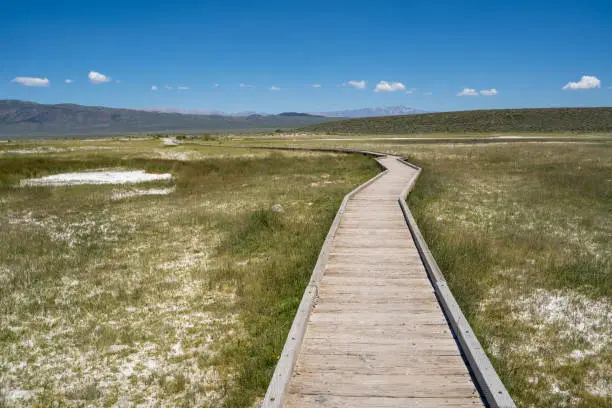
(349, 113)
(201, 112)
(20, 119)
(371, 112)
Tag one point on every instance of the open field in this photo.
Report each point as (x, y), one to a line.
(523, 234)
(132, 290)
(180, 298)
(551, 120)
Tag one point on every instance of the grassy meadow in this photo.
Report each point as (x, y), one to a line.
(109, 297)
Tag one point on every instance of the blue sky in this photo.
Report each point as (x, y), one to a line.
(427, 51)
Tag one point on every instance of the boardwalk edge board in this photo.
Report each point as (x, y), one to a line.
(493, 390)
(279, 384)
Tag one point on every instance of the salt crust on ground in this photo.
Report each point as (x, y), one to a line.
(573, 317)
(139, 192)
(50, 149)
(96, 177)
(572, 313)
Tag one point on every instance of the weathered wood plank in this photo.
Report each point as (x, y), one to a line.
(362, 307)
(322, 329)
(390, 259)
(380, 364)
(417, 339)
(372, 299)
(358, 385)
(375, 291)
(408, 268)
(335, 401)
(399, 253)
(390, 277)
(378, 232)
(321, 348)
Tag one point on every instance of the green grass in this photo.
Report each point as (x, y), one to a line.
(574, 120)
(183, 299)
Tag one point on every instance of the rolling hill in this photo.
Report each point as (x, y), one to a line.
(547, 120)
(19, 119)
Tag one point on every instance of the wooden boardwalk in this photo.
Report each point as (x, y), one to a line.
(377, 336)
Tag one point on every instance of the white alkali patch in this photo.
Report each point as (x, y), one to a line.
(139, 192)
(574, 314)
(173, 155)
(97, 177)
(17, 395)
(103, 226)
(50, 149)
(171, 141)
(572, 318)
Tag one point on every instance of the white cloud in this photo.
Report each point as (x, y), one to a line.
(154, 88)
(410, 91)
(118, 81)
(183, 88)
(68, 80)
(274, 88)
(316, 85)
(489, 92)
(29, 81)
(384, 86)
(586, 82)
(168, 87)
(246, 86)
(428, 93)
(468, 92)
(98, 78)
(215, 85)
(357, 84)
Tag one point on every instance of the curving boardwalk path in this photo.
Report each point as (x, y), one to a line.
(377, 336)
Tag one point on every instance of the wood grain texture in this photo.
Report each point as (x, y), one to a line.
(332, 401)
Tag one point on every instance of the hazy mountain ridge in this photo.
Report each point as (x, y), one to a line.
(24, 119)
(373, 112)
(201, 111)
(347, 113)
